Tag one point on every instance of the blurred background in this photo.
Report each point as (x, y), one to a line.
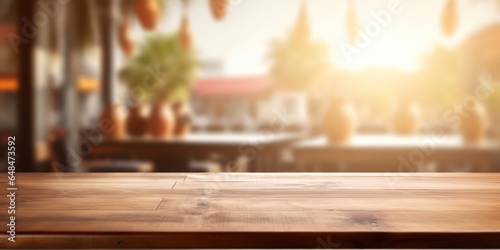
(257, 86)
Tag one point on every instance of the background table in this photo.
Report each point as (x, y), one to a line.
(262, 149)
(390, 153)
(256, 210)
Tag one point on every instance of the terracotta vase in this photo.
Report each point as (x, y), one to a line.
(125, 38)
(182, 119)
(474, 122)
(185, 34)
(407, 119)
(449, 18)
(219, 8)
(137, 122)
(161, 120)
(340, 122)
(352, 24)
(148, 13)
(112, 122)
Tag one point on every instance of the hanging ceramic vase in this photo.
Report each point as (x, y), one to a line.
(407, 119)
(219, 8)
(148, 13)
(340, 122)
(125, 37)
(351, 23)
(449, 19)
(136, 122)
(185, 34)
(302, 31)
(161, 120)
(112, 122)
(474, 122)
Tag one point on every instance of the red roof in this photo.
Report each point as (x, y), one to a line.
(232, 86)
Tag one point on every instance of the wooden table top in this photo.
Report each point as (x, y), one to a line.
(390, 141)
(255, 210)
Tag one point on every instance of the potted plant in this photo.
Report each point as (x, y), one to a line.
(297, 62)
(160, 73)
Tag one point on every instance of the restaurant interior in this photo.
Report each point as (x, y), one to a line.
(257, 86)
(306, 98)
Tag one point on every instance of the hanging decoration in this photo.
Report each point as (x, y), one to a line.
(148, 13)
(185, 36)
(126, 40)
(449, 20)
(351, 23)
(125, 37)
(302, 31)
(219, 8)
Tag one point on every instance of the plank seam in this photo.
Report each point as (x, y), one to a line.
(159, 203)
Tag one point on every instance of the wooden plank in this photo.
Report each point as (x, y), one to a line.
(302, 176)
(70, 203)
(91, 192)
(342, 184)
(256, 203)
(105, 221)
(45, 185)
(282, 193)
(265, 177)
(99, 177)
(77, 188)
(275, 177)
(324, 193)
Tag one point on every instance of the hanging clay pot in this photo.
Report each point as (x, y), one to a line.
(137, 122)
(407, 119)
(126, 38)
(449, 19)
(185, 34)
(340, 122)
(474, 122)
(351, 24)
(148, 13)
(182, 119)
(161, 120)
(302, 30)
(112, 122)
(219, 8)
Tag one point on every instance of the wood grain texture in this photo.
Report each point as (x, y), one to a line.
(256, 210)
